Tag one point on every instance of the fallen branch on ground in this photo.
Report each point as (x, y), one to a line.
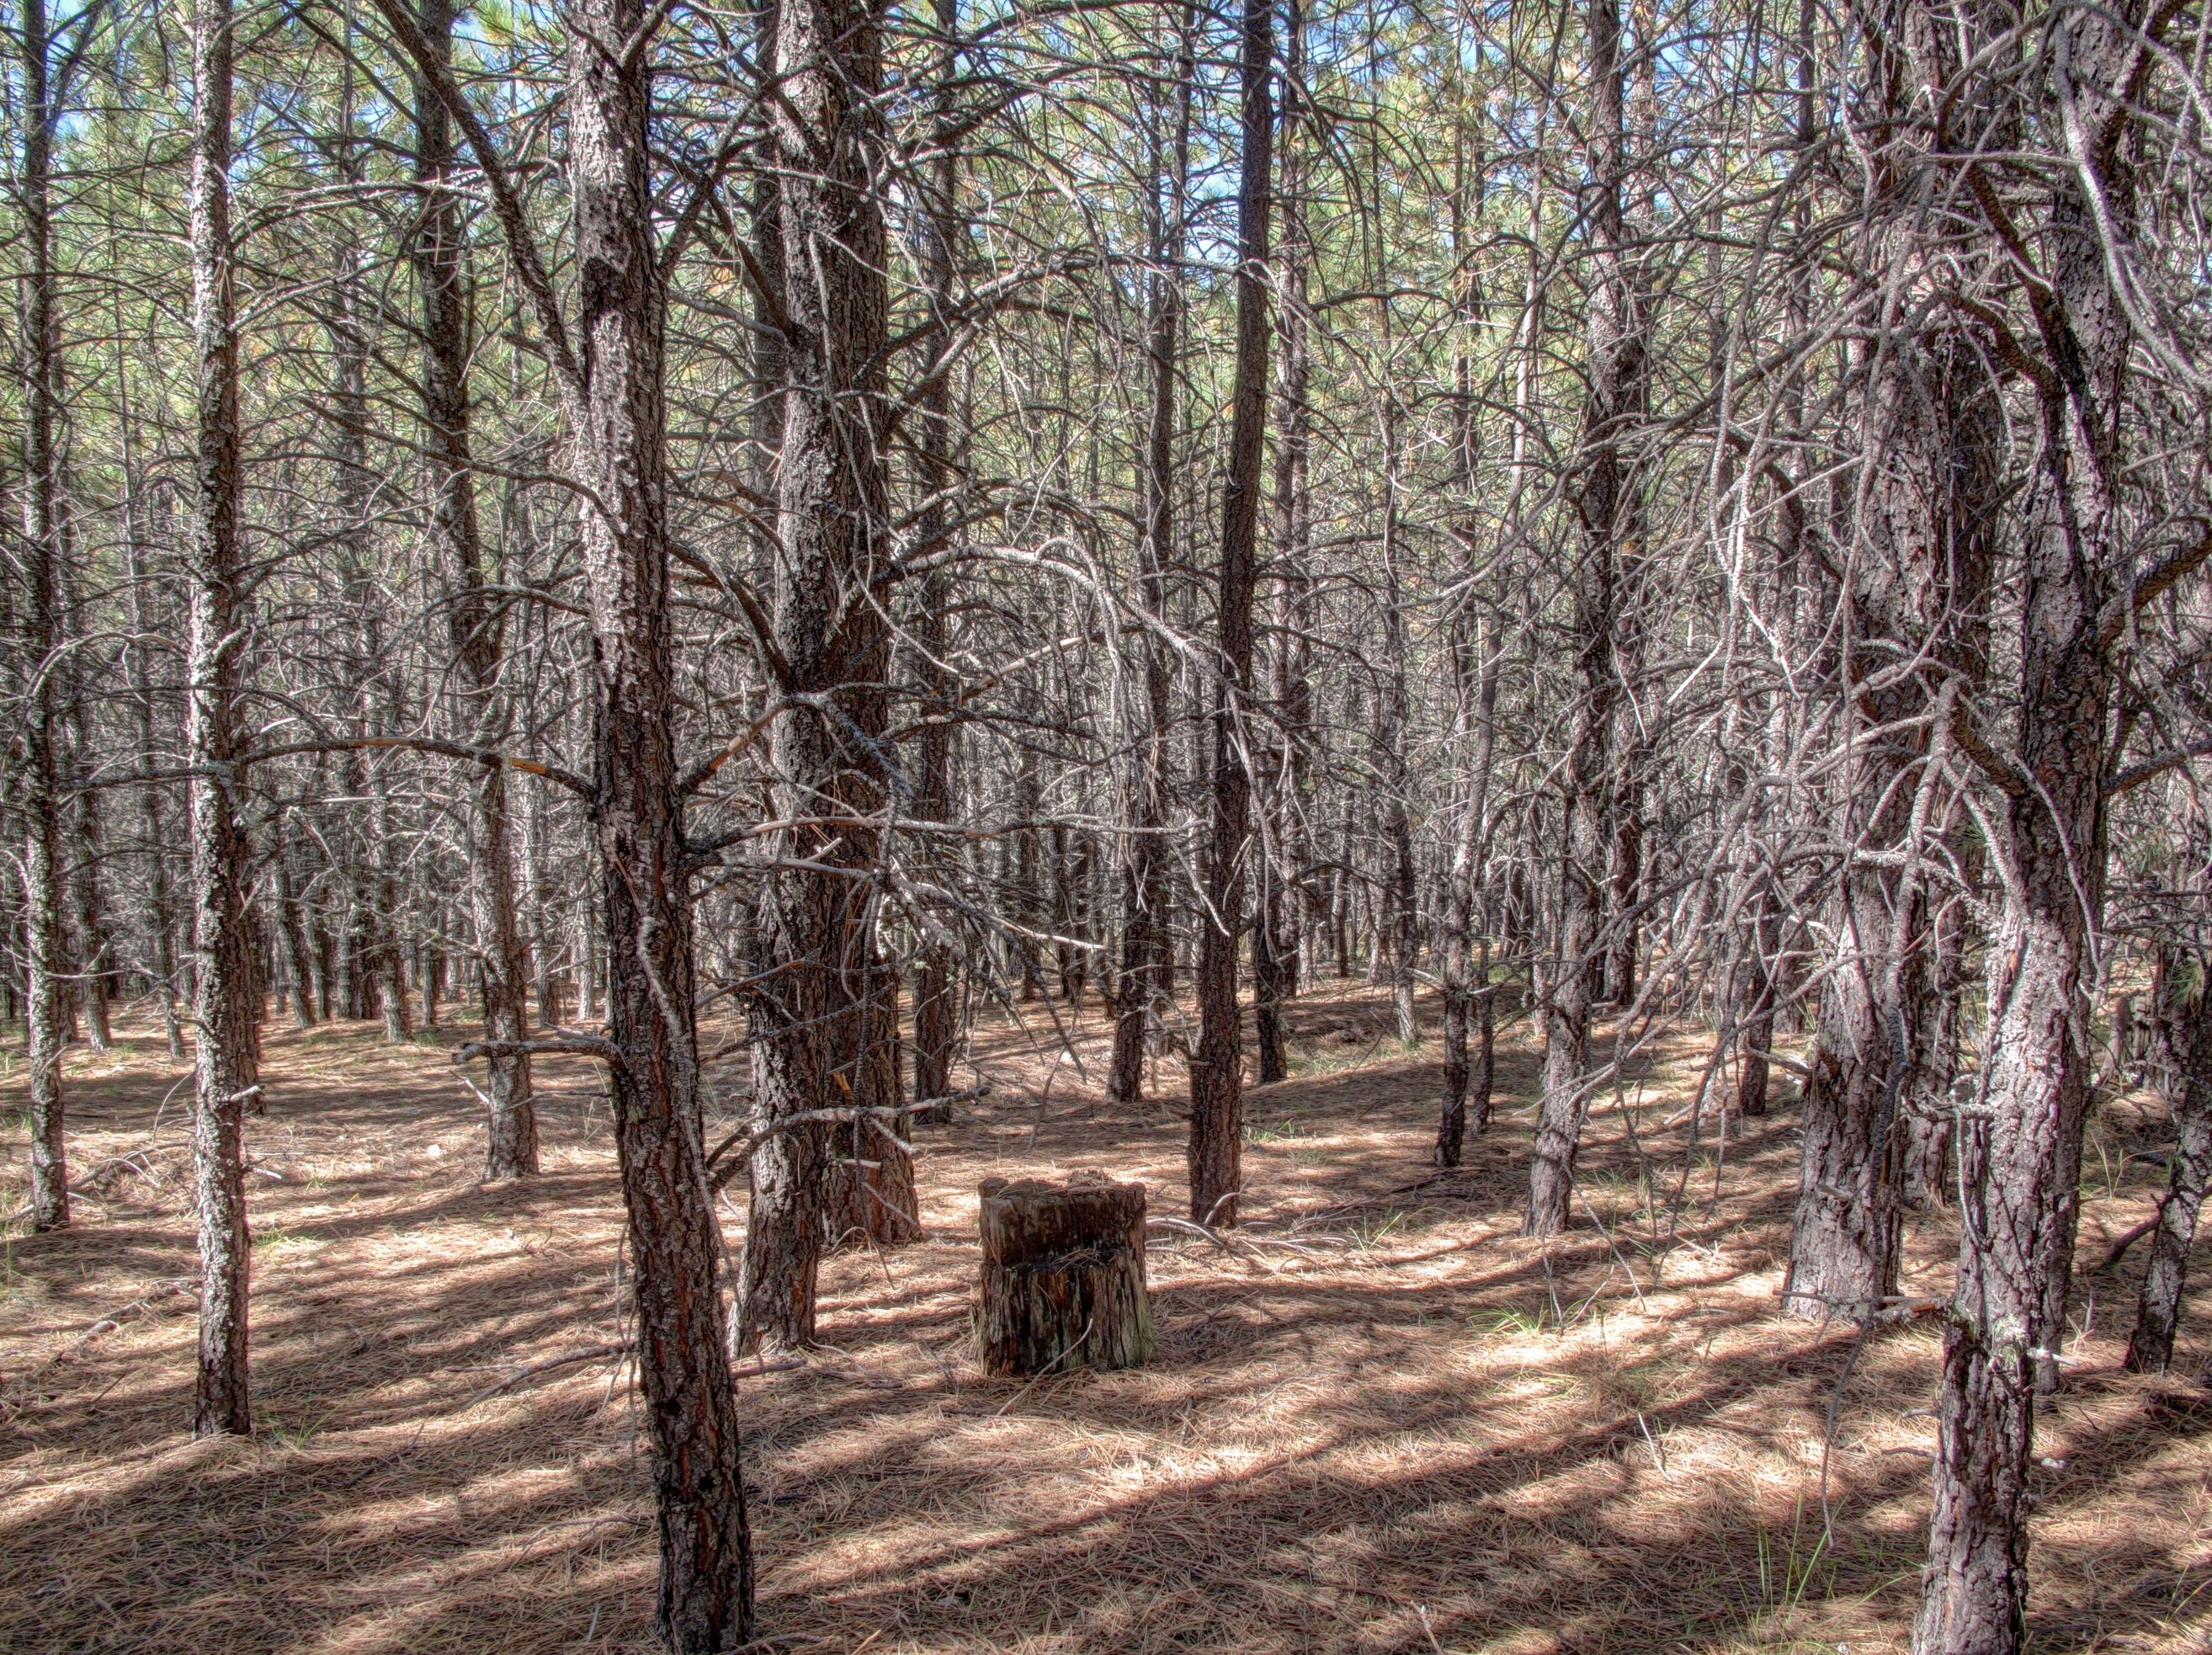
(2119, 1248)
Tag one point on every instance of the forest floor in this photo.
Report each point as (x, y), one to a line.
(1384, 1424)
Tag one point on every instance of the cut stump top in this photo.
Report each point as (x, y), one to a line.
(1032, 1220)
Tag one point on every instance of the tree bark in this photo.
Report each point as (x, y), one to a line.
(1392, 716)
(870, 1189)
(152, 815)
(1914, 584)
(1755, 1006)
(45, 958)
(2019, 1151)
(474, 625)
(1217, 1077)
(936, 1003)
(832, 519)
(1474, 665)
(1062, 1284)
(1608, 514)
(93, 955)
(226, 1061)
(1280, 931)
(1147, 959)
(2158, 1307)
(620, 448)
(299, 958)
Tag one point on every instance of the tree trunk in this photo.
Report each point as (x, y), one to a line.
(289, 925)
(45, 960)
(1217, 1079)
(1282, 909)
(2158, 1308)
(160, 904)
(1624, 894)
(94, 952)
(936, 1002)
(1474, 666)
(1147, 958)
(2019, 1151)
(620, 446)
(871, 1172)
(1063, 1277)
(1391, 717)
(394, 999)
(1915, 580)
(474, 626)
(1928, 1128)
(1755, 1006)
(817, 1041)
(226, 1063)
(1608, 514)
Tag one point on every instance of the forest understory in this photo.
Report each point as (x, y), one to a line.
(1378, 1420)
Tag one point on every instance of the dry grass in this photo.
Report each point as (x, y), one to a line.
(1385, 1425)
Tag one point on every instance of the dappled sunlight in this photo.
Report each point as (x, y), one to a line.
(1378, 1420)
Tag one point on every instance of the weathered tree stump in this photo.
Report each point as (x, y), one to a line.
(1063, 1282)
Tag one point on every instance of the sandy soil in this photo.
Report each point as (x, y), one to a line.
(1381, 1423)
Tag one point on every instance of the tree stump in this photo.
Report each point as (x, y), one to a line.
(1063, 1281)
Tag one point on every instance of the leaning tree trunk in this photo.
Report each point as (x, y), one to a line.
(223, 1012)
(2158, 1309)
(1608, 514)
(474, 617)
(1217, 1077)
